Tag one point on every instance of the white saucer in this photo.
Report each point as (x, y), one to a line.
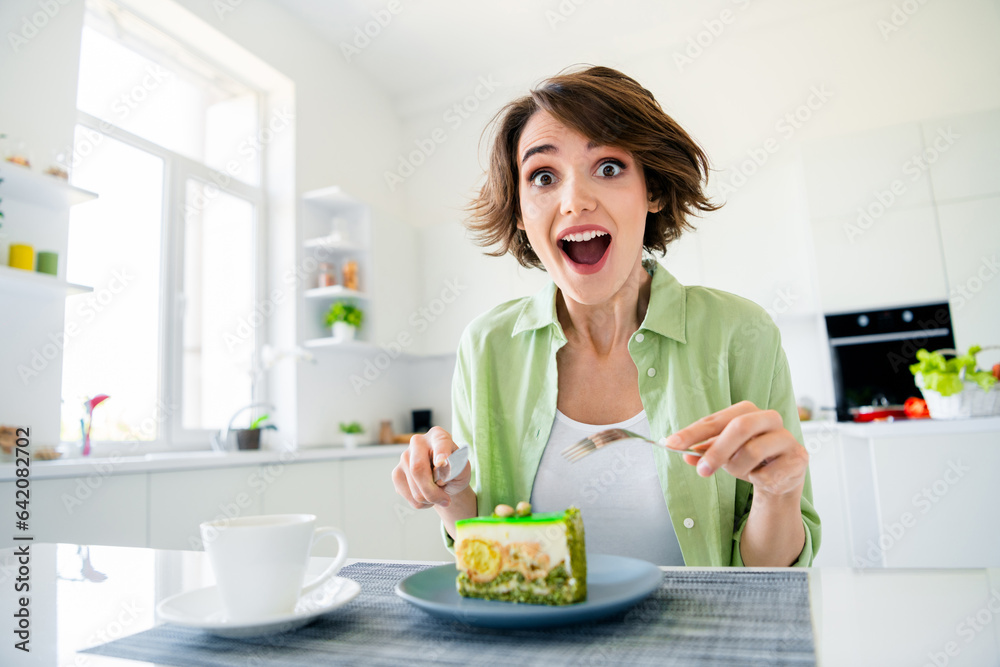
(202, 609)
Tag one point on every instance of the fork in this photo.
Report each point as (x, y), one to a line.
(574, 453)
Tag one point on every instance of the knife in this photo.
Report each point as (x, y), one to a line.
(454, 465)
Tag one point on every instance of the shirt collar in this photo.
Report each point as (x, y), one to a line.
(666, 314)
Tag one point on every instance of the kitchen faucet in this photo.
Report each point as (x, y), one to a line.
(220, 440)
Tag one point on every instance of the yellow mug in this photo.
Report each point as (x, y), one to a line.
(22, 257)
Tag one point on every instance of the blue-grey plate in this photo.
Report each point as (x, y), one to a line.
(614, 583)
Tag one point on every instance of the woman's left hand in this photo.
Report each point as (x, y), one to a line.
(750, 444)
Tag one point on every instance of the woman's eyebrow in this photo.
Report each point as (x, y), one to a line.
(549, 148)
(544, 148)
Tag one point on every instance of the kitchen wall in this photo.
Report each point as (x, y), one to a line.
(836, 64)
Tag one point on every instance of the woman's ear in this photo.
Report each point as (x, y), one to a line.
(655, 205)
(520, 224)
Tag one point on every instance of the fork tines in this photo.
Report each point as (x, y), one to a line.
(574, 453)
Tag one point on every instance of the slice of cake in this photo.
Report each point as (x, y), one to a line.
(517, 556)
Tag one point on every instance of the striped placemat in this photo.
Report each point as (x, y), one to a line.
(697, 617)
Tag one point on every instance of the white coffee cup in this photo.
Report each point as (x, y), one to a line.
(260, 562)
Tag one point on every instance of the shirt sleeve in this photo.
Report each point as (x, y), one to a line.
(782, 399)
(462, 424)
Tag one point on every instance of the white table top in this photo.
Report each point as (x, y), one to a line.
(860, 617)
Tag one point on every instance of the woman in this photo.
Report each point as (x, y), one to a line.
(586, 173)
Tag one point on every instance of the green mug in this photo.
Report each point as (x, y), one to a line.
(48, 262)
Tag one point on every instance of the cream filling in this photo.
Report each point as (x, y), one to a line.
(550, 537)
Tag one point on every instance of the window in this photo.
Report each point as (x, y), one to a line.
(171, 247)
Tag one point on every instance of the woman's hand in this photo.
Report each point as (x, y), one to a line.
(750, 444)
(413, 477)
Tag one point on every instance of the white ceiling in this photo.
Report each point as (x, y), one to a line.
(434, 46)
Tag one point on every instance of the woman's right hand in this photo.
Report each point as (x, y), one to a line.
(413, 477)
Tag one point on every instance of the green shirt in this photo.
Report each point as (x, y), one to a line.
(698, 350)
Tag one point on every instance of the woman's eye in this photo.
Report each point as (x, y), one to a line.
(542, 178)
(610, 169)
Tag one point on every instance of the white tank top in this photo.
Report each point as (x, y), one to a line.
(616, 488)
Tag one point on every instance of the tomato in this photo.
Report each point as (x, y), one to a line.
(916, 408)
(996, 371)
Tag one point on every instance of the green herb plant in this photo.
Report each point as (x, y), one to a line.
(943, 375)
(344, 311)
(351, 428)
(255, 424)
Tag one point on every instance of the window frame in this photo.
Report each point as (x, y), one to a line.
(177, 169)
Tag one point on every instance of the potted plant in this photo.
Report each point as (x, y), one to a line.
(352, 433)
(955, 388)
(249, 438)
(344, 318)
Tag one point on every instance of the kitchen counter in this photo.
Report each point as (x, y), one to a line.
(191, 460)
(904, 427)
(920, 427)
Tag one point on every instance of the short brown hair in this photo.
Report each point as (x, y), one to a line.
(612, 109)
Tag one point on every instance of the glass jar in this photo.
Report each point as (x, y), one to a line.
(351, 275)
(326, 276)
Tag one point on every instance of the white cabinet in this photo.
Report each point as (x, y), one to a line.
(373, 514)
(970, 165)
(822, 441)
(883, 203)
(874, 226)
(307, 488)
(353, 494)
(850, 174)
(895, 261)
(923, 499)
(179, 501)
(971, 234)
(162, 509)
(93, 509)
(935, 506)
(422, 538)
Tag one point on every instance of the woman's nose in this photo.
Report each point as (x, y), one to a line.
(577, 195)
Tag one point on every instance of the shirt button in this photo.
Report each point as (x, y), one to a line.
(639, 338)
(689, 523)
(651, 372)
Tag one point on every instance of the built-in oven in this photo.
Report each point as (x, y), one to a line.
(871, 353)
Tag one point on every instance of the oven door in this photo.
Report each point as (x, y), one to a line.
(875, 370)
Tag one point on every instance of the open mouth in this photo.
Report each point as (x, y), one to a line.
(586, 250)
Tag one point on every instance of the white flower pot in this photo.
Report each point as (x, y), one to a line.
(342, 331)
(351, 440)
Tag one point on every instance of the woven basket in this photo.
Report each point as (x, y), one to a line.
(972, 401)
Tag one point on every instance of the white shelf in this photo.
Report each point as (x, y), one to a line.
(31, 186)
(330, 343)
(344, 345)
(333, 291)
(326, 243)
(19, 280)
(332, 197)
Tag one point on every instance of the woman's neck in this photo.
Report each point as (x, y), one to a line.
(604, 326)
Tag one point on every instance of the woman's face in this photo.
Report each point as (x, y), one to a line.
(583, 208)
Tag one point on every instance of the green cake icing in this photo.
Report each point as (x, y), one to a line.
(535, 559)
(544, 517)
